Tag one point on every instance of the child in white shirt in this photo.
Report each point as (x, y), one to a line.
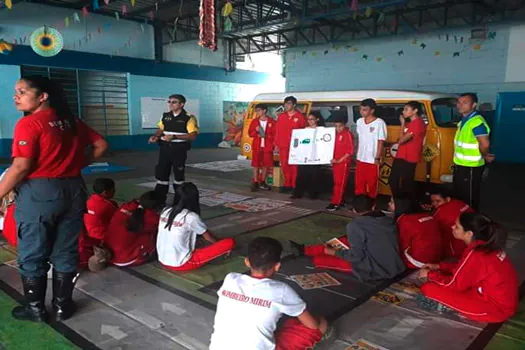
(179, 227)
(250, 306)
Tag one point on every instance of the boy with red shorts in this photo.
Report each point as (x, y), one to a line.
(262, 130)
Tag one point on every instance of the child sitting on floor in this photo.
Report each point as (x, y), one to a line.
(420, 241)
(179, 228)
(132, 231)
(483, 286)
(250, 306)
(373, 243)
(447, 210)
(100, 210)
(7, 216)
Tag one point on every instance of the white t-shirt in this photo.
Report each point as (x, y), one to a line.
(248, 311)
(175, 245)
(368, 136)
(263, 123)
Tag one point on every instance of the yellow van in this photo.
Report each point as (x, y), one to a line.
(439, 114)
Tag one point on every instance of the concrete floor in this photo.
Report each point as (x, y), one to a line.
(120, 311)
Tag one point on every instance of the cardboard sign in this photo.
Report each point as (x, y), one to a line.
(312, 146)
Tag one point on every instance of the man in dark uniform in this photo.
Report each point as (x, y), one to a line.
(176, 131)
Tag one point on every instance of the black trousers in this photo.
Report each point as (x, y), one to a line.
(172, 155)
(308, 177)
(467, 184)
(401, 178)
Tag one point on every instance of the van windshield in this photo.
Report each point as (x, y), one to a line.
(445, 112)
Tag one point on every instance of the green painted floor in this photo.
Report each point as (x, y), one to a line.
(19, 335)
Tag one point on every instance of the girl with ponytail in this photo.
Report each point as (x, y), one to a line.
(483, 285)
(179, 228)
(132, 231)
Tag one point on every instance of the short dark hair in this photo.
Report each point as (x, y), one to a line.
(415, 105)
(406, 205)
(440, 191)
(362, 203)
(103, 184)
(369, 102)
(179, 98)
(264, 253)
(473, 96)
(290, 99)
(261, 106)
(319, 117)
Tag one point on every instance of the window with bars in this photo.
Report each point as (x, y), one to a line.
(100, 99)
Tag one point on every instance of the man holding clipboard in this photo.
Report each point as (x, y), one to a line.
(176, 131)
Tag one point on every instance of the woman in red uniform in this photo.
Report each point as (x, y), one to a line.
(132, 231)
(49, 152)
(483, 286)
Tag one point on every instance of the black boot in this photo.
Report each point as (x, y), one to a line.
(63, 285)
(176, 196)
(35, 293)
(297, 249)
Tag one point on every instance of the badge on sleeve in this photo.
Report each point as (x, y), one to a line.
(22, 143)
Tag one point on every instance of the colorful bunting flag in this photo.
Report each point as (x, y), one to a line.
(437, 53)
(66, 21)
(85, 11)
(99, 29)
(95, 5)
(381, 18)
(151, 15)
(422, 46)
(456, 54)
(124, 10)
(76, 18)
(401, 53)
(132, 3)
(117, 15)
(156, 7)
(368, 12)
(106, 2)
(364, 57)
(354, 5)
(9, 4)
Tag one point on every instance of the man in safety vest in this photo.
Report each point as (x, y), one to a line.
(471, 150)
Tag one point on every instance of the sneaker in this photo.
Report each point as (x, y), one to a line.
(255, 187)
(332, 207)
(264, 186)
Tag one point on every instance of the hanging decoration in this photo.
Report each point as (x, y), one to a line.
(106, 2)
(401, 53)
(47, 41)
(124, 10)
(9, 4)
(381, 18)
(379, 59)
(437, 53)
(76, 18)
(423, 46)
(117, 17)
(66, 22)
(132, 3)
(207, 35)
(227, 9)
(456, 54)
(95, 5)
(85, 11)
(368, 12)
(325, 52)
(364, 57)
(476, 47)
(156, 7)
(491, 35)
(228, 24)
(354, 5)
(414, 41)
(5, 47)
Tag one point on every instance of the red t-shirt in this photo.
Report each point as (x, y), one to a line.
(100, 210)
(58, 153)
(419, 236)
(129, 247)
(285, 125)
(411, 151)
(344, 144)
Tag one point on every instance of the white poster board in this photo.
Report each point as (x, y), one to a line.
(152, 108)
(312, 146)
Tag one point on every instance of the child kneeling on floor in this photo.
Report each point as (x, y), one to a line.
(483, 285)
(132, 231)
(179, 227)
(250, 307)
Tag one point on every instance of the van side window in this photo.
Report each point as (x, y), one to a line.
(389, 112)
(331, 112)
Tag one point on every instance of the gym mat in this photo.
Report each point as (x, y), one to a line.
(312, 229)
(22, 335)
(395, 328)
(511, 332)
(193, 281)
(104, 168)
(242, 222)
(6, 254)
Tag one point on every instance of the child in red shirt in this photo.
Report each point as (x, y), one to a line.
(413, 132)
(420, 241)
(262, 130)
(483, 285)
(132, 231)
(447, 210)
(343, 151)
(287, 121)
(100, 210)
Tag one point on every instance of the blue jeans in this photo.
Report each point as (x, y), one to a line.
(49, 215)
